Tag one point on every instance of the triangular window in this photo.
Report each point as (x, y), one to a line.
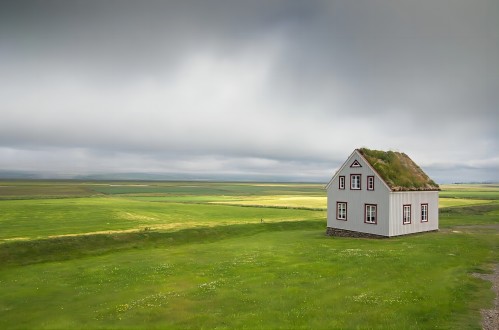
(356, 164)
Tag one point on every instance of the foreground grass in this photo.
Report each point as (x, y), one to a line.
(260, 278)
(140, 258)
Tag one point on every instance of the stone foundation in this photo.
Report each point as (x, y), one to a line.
(348, 233)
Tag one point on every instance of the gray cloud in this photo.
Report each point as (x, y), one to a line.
(256, 87)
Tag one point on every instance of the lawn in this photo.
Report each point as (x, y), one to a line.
(166, 257)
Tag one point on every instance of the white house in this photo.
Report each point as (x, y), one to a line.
(381, 194)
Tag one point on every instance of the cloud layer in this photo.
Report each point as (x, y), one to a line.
(248, 88)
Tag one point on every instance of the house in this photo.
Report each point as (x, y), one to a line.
(381, 194)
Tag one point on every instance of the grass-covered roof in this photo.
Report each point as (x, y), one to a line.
(398, 171)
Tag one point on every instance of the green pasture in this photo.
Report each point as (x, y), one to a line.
(469, 191)
(25, 189)
(101, 255)
(274, 279)
(284, 201)
(311, 202)
(41, 218)
(450, 202)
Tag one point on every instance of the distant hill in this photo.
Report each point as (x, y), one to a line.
(137, 176)
(19, 175)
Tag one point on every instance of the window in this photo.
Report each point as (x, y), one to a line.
(407, 215)
(341, 210)
(370, 182)
(342, 182)
(424, 212)
(355, 181)
(370, 214)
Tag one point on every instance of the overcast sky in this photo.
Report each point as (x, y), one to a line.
(276, 89)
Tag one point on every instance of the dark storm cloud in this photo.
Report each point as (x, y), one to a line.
(248, 86)
(132, 36)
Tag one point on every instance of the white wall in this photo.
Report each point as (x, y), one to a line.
(415, 199)
(357, 199)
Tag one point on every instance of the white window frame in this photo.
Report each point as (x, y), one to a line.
(341, 211)
(341, 183)
(355, 181)
(424, 212)
(371, 213)
(370, 182)
(406, 214)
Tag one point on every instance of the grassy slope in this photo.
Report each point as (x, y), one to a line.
(249, 275)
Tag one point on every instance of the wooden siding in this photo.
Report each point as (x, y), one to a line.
(356, 199)
(415, 199)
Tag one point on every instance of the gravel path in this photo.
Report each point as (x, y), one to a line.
(490, 317)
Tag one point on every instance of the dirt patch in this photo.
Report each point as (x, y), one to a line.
(490, 317)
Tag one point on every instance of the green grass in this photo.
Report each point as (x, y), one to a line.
(470, 216)
(21, 189)
(473, 192)
(451, 202)
(27, 189)
(271, 279)
(289, 201)
(145, 259)
(38, 218)
(310, 202)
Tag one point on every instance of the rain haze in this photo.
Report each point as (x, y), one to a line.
(247, 90)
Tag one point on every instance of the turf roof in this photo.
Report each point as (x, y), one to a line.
(398, 171)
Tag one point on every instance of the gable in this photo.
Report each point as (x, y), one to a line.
(355, 165)
(395, 170)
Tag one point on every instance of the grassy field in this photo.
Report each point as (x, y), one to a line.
(232, 255)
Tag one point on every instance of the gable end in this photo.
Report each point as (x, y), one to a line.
(356, 158)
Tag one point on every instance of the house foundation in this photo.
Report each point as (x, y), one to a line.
(330, 231)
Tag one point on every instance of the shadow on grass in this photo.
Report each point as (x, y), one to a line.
(469, 210)
(20, 253)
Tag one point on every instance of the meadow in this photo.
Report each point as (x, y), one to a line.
(103, 255)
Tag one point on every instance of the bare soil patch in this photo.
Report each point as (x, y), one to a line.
(490, 317)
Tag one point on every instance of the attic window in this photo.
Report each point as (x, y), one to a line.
(355, 181)
(342, 182)
(356, 164)
(370, 182)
